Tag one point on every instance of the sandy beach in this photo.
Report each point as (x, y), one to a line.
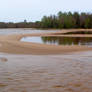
(18, 47)
(32, 67)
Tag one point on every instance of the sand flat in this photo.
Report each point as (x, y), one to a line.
(46, 73)
(29, 67)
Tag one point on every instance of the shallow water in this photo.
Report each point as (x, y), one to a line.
(48, 73)
(60, 40)
(23, 31)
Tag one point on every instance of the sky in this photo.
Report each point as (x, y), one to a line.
(33, 10)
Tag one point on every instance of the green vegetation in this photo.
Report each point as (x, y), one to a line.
(61, 20)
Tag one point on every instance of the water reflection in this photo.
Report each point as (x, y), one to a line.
(79, 32)
(60, 40)
(68, 40)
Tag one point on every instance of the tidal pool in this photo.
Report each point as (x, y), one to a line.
(87, 41)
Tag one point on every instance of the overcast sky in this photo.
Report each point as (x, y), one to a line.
(32, 10)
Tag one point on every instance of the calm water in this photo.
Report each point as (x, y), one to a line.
(23, 31)
(60, 40)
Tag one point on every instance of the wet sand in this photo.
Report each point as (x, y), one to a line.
(46, 73)
(29, 67)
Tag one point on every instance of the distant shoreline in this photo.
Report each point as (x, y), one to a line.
(62, 20)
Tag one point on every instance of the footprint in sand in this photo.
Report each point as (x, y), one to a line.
(2, 59)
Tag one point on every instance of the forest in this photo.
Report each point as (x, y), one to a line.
(63, 20)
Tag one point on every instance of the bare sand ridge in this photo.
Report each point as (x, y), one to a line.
(12, 44)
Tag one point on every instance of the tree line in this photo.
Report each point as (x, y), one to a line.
(61, 20)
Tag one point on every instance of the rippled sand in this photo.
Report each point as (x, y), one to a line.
(46, 73)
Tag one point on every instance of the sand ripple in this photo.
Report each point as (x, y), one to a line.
(49, 73)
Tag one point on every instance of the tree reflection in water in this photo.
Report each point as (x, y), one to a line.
(67, 40)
